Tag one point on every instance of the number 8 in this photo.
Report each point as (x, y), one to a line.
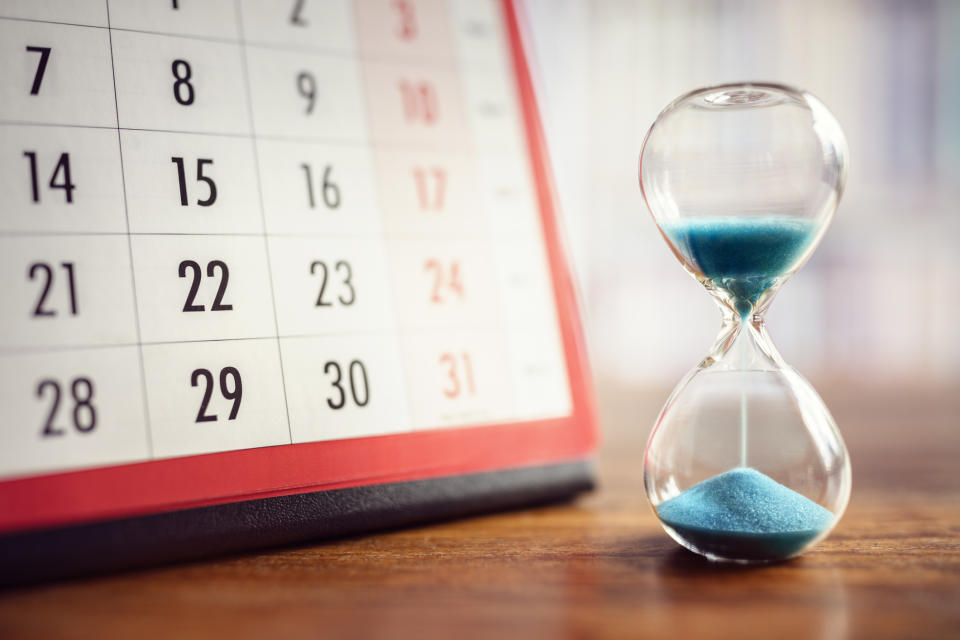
(182, 72)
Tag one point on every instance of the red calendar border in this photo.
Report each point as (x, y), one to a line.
(233, 476)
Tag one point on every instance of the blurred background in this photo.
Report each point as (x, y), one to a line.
(875, 306)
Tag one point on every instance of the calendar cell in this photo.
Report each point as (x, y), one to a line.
(76, 12)
(189, 183)
(317, 188)
(524, 285)
(330, 284)
(66, 291)
(478, 33)
(538, 374)
(429, 192)
(456, 378)
(344, 387)
(306, 95)
(493, 112)
(60, 179)
(322, 26)
(55, 74)
(443, 283)
(202, 287)
(415, 107)
(509, 200)
(209, 18)
(410, 30)
(71, 409)
(214, 396)
(179, 84)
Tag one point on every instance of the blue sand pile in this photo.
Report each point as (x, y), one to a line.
(742, 255)
(744, 514)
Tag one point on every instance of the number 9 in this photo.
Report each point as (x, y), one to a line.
(307, 86)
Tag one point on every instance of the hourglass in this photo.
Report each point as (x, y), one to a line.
(745, 462)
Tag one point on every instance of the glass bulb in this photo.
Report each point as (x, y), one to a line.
(745, 462)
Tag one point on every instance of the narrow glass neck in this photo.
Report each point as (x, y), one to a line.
(743, 344)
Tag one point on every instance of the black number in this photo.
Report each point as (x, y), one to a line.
(83, 405)
(194, 286)
(235, 394)
(356, 374)
(328, 190)
(207, 392)
(84, 413)
(295, 17)
(48, 427)
(41, 67)
(182, 73)
(340, 265)
(212, 266)
(182, 178)
(339, 404)
(357, 365)
(47, 271)
(176, 4)
(61, 170)
(307, 86)
(345, 266)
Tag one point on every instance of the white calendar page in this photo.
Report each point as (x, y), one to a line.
(235, 224)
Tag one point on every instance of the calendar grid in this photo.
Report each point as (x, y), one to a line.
(133, 279)
(429, 347)
(266, 243)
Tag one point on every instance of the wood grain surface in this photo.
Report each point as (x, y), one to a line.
(598, 567)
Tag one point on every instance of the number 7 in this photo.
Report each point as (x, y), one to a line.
(41, 67)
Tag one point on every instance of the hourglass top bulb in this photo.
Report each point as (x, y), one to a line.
(742, 180)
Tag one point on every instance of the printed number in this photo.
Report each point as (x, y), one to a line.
(407, 25)
(296, 16)
(181, 176)
(212, 266)
(176, 4)
(419, 102)
(357, 379)
(59, 180)
(329, 190)
(41, 67)
(431, 188)
(307, 86)
(45, 271)
(340, 265)
(234, 394)
(182, 74)
(84, 413)
(446, 280)
(456, 368)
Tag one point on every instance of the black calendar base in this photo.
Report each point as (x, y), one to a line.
(102, 547)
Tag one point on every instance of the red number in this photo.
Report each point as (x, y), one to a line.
(454, 367)
(430, 199)
(419, 102)
(407, 27)
(444, 280)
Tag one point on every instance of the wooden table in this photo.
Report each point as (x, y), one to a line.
(598, 567)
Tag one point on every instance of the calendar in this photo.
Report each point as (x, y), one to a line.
(253, 250)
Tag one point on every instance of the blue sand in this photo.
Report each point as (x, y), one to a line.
(744, 514)
(742, 255)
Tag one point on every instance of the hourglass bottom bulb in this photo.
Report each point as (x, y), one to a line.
(744, 515)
